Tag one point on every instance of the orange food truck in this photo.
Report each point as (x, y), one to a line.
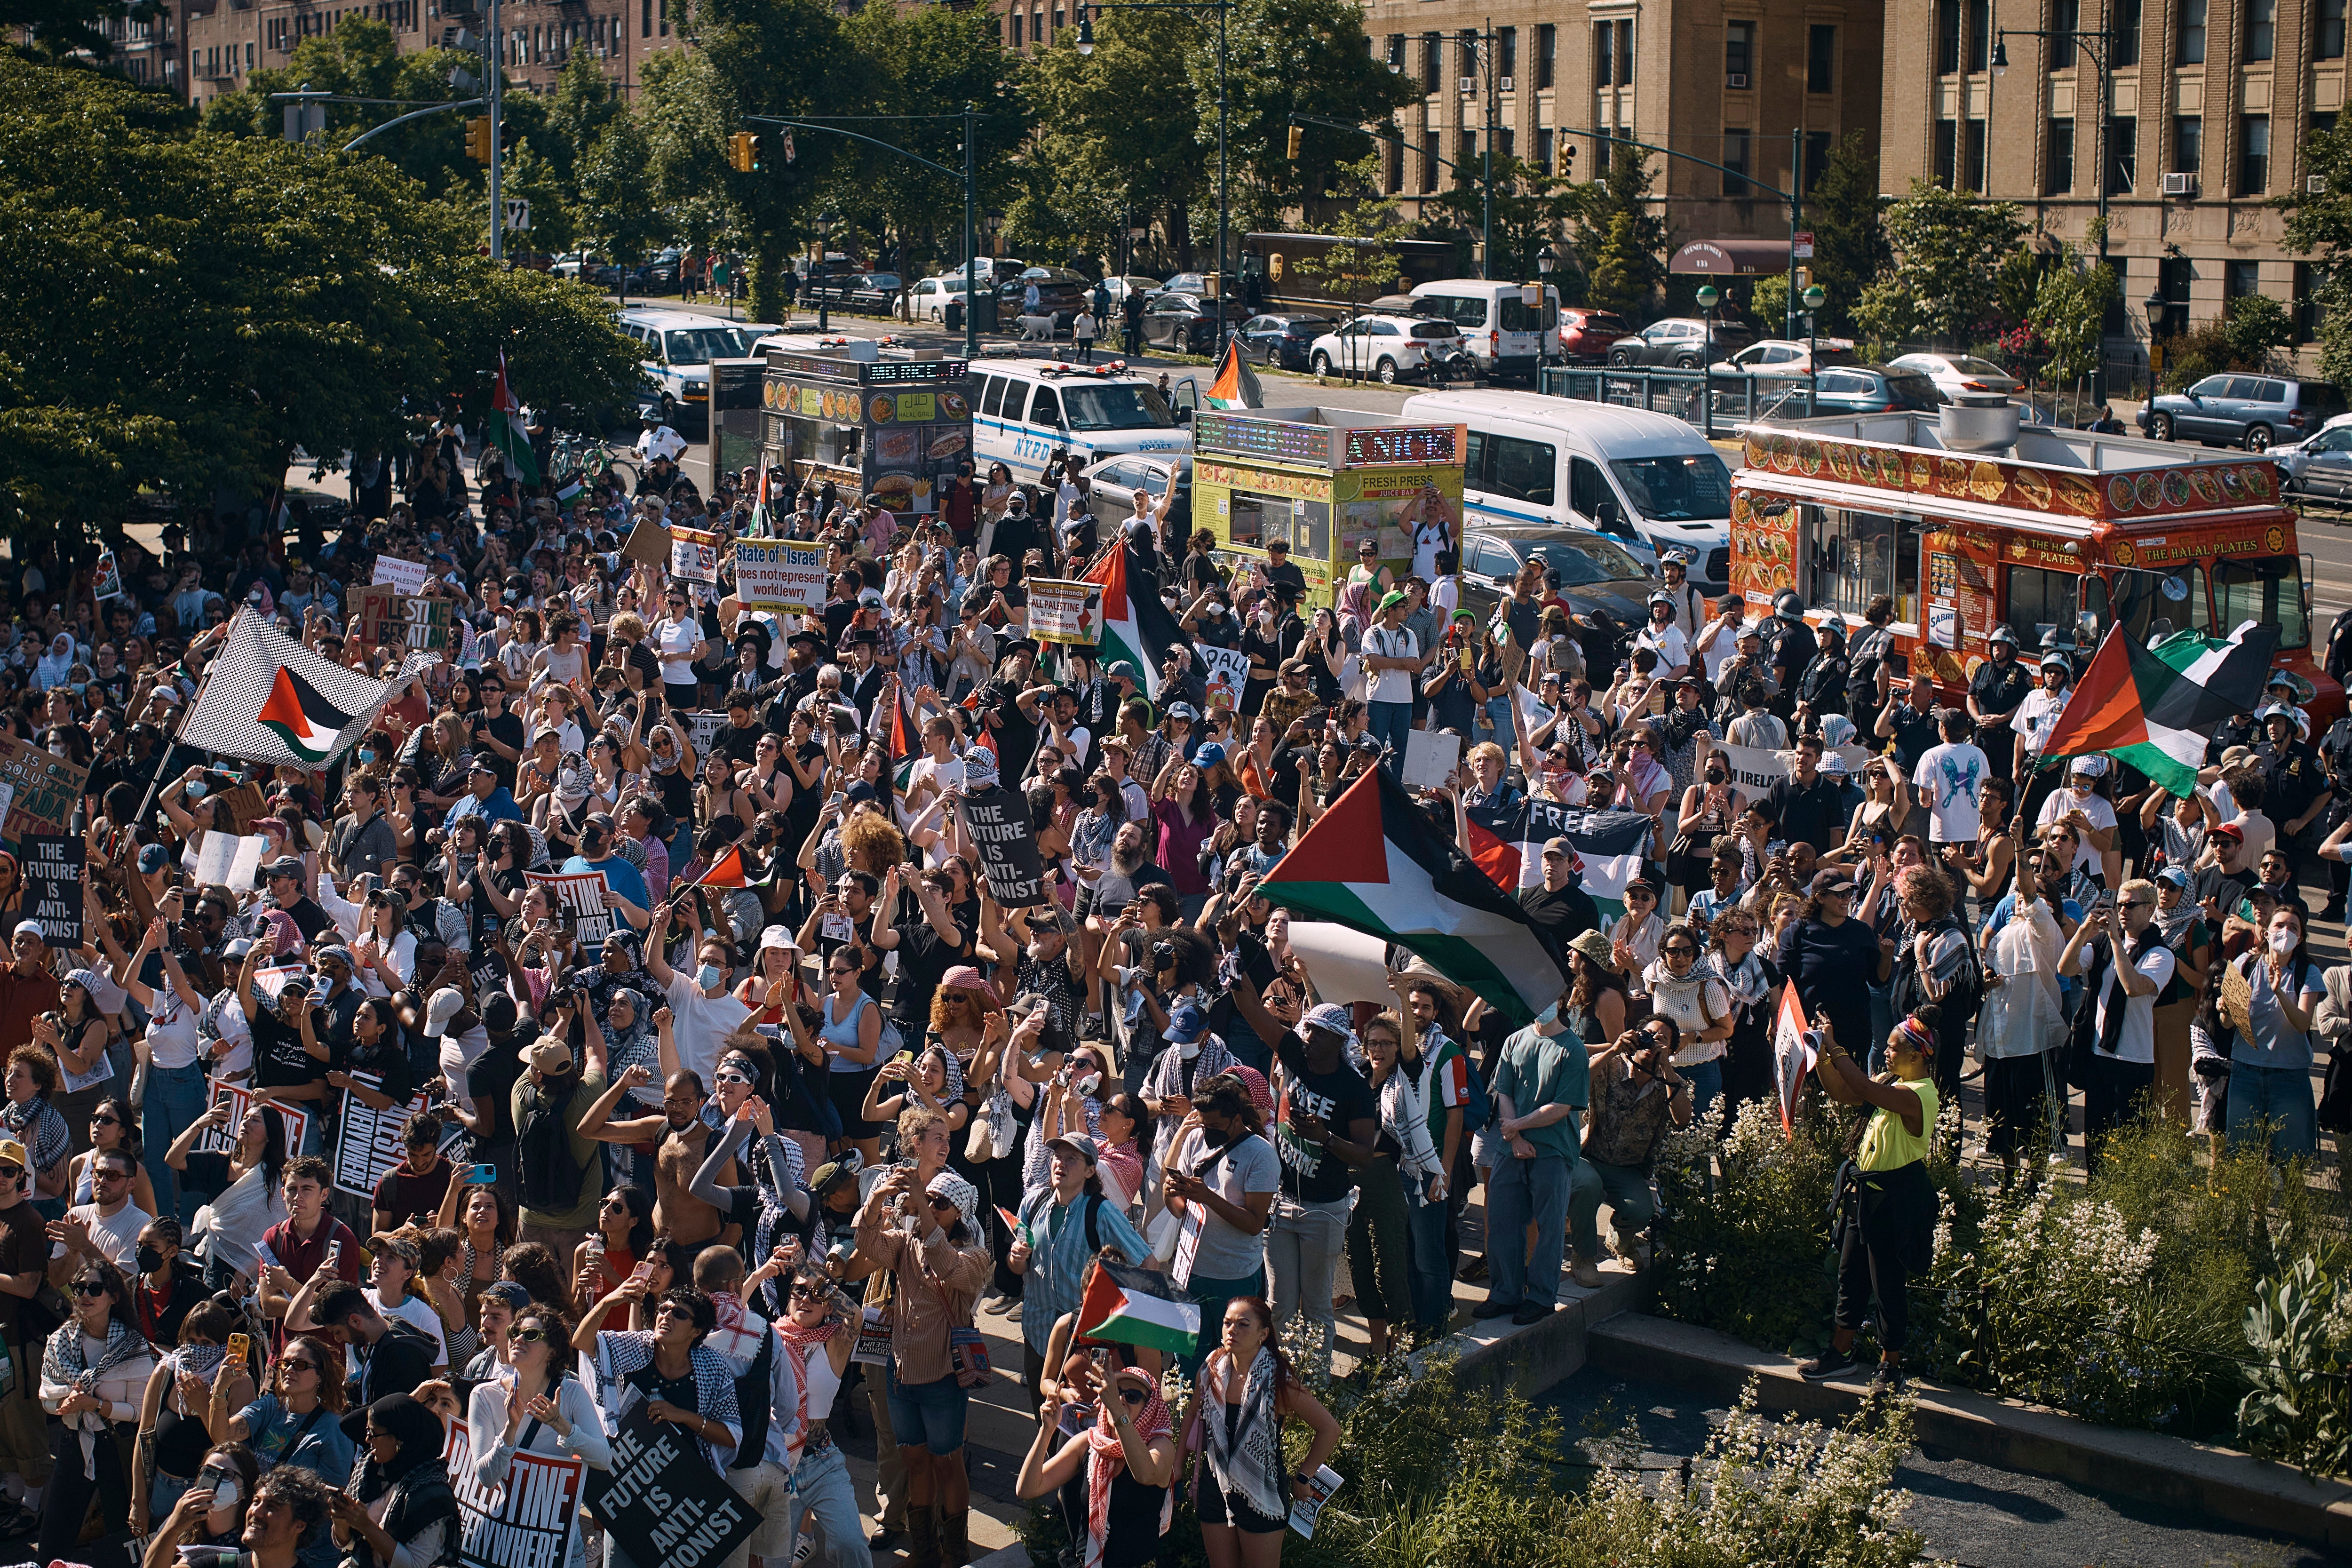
(1970, 523)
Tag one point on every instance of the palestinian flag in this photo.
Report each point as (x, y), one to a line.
(306, 721)
(1125, 1306)
(1137, 627)
(1236, 385)
(2156, 707)
(1373, 863)
(728, 871)
(903, 750)
(1610, 847)
(507, 432)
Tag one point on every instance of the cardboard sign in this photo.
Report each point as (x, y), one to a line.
(223, 1140)
(368, 1143)
(528, 1522)
(786, 577)
(694, 555)
(1069, 613)
(382, 615)
(41, 791)
(1429, 758)
(52, 870)
(400, 576)
(648, 541)
(578, 901)
(1227, 672)
(661, 1501)
(997, 819)
(235, 809)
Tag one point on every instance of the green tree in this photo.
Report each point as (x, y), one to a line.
(1117, 133)
(617, 214)
(1369, 267)
(63, 29)
(1946, 248)
(1849, 246)
(2320, 227)
(1532, 213)
(2069, 313)
(584, 103)
(1285, 57)
(1620, 239)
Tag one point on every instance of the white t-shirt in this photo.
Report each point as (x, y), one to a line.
(2138, 1041)
(2036, 716)
(2100, 815)
(675, 642)
(116, 1238)
(1722, 650)
(1674, 648)
(418, 1314)
(700, 1023)
(1950, 779)
(1391, 685)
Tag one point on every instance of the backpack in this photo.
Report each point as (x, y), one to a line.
(755, 1400)
(1478, 1108)
(546, 1169)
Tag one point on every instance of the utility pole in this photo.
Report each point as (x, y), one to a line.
(497, 61)
(970, 264)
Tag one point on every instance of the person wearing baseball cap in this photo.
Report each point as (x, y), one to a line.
(1062, 1226)
(1392, 660)
(1831, 949)
(1559, 903)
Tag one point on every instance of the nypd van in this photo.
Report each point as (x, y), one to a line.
(675, 347)
(1648, 481)
(1026, 412)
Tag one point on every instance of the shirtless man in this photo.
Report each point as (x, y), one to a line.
(677, 1213)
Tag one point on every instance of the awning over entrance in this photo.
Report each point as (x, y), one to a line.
(1731, 258)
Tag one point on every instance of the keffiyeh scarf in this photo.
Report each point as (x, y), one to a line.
(123, 1344)
(1249, 1459)
(1106, 1457)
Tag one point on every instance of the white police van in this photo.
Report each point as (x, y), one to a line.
(675, 349)
(1027, 411)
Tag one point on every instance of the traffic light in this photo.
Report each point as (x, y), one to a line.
(743, 153)
(1298, 135)
(477, 138)
(1563, 160)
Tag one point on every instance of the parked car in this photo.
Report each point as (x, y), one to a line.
(2321, 465)
(1387, 348)
(1874, 389)
(1187, 323)
(1585, 335)
(1198, 283)
(1120, 288)
(876, 293)
(1787, 356)
(661, 272)
(1682, 343)
(1403, 305)
(2251, 411)
(927, 301)
(1060, 291)
(1112, 481)
(1597, 574)
(1282, 340)
(1958, 372)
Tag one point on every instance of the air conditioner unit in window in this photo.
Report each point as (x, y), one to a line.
(1468, 84)
(2314, 184)
(1736, 81)
(1505, 84)
(2179, 184)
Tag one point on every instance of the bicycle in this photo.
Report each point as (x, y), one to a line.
(590, 457)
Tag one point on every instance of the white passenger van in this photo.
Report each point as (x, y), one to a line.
(1027, 411)
(1504, 334)
(1648, 481)
(676, 348)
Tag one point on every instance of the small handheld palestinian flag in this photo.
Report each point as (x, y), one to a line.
(1125, 1306)
(506, 429)
(306, 721)
(728, 871)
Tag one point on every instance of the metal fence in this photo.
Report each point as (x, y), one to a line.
(1715, 404)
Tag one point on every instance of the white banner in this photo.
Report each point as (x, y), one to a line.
(528, 1522)
(1067, 612)
(405, 578)
(1755, 769)
(1227, 669)
(775, 572)
(1346, 965)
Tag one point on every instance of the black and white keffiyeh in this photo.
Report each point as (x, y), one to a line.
(1248, 1458)
(622, 1353)
(71, 1360)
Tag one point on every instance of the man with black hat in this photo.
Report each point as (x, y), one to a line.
(1559, 904)
(863, 677)
(1011, 710)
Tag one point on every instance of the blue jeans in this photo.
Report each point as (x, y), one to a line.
(2280, 1096)
(1521, 1190)
(1431, 1279)
(822, 1484)
(176, 1098)
(1632, 1203)
(1707, 1083)
(1389, 723)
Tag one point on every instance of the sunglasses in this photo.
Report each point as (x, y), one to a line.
(733, 1078)
(105, 1121)
(810, 1293)
(616, 1202)
(1131, 1395)
(534, 1335)
(1681, 951)
(838, 969)
(940, 1202)
(87, 1289)
(12, 1172)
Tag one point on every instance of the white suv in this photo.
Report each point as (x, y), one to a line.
(1387, 347)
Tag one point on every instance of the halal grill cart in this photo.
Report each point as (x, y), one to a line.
(1323, 480)
(1971, 521)
(875, 420)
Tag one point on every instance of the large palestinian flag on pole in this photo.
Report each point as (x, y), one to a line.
(1137, 627)
(1375, 864)
(1610, 847)
(268, 699)
(507, 432)
(2156, 707)
(305, 720)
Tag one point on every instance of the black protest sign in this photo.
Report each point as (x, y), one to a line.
(998, 821)
(661, 1501)
(53, 892)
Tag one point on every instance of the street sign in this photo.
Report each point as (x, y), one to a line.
(1804, 246)
(518, 215)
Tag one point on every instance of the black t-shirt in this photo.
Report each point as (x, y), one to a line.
(1916, 735)
(738, 745)
(1567, 914)
(507, 730)
(278, 1060)
(923, 962)
(1810, 814)
(1311, 1174)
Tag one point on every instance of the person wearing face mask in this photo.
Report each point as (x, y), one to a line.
(1065, 1224)
(2120, 951)
(165, 1290)
(598, 853)
(1193, 1054)
(2081, 808)
(2272, 1039)
(704, 1012)
(208, 1509)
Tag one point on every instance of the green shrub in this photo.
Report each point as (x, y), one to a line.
(2299, 1408)
(1743, 1237)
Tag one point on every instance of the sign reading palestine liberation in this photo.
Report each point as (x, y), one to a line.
(998, 820)
(529, 1521)
(661, 1501)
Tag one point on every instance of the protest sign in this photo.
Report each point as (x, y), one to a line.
(1347, 966)
(529, 1522)
(38, 792)
(53, 892)
(1227, 672)
(661, 1501)
(1794, 1047)
(1755, 769)
(780, 574)
(1429, 758)
(694, 555)
(108, 584)
(487, 965)
(225, 860)
(235, 809)
(1064, 612)
(368, 1141)
(1303, 1511)
(223, 1140)
(578, 900)
(648, 541)
(400, 576)
(997, 819)
(706, 727)
(382, 615)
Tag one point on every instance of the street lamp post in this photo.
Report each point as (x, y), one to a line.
(824, 234)
(1815, 298)
(1707, 298)
(1544, 262)
(2093, 43)
(1225, 210)
(2158, 310)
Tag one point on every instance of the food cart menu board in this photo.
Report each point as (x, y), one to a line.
(914, 419)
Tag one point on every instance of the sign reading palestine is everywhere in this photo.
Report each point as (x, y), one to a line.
(528, 1522)
(368, 1141)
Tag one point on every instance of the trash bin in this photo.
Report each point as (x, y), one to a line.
(955, 315)
(983, 311)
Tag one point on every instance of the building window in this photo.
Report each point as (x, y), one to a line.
(2123, 33)
(2327, 44)
(1612, 53)
(1465, 158)
(2122, 155)
(2261, 28)
(1948, 148)
(1545, 144)
(2240, 279)
(1817, 157)
(645, 18)
(661, 16)
(1432, 61)
(1979, 35)
(1467, 47)
(1506, 53)
(1429, 162)
(2188, 143)
(2193, 33)
(2058, 174)
(1735, 162)
(2255, 157)
(2065, 17)
(1548, 49)
(1738, 54)
(2308, 281)
(1821, 58)
(1948, 37)
(1976, 168)
(1017, 30)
